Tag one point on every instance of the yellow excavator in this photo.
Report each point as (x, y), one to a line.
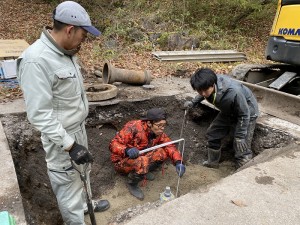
(277, 85)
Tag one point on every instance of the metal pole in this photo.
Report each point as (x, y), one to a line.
(179, 147)
(177, 188)
(182, 126)
(160, 146)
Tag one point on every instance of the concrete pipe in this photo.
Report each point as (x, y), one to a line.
(112, 74)
(100, 92)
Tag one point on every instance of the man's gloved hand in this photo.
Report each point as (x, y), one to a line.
(79, 154)
(132, 153)
(240, 145)
(194, 103)
(180, 169)
(188, 104)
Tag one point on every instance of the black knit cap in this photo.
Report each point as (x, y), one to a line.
(155, 114)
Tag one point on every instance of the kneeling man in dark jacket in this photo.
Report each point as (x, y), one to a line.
(238, 113)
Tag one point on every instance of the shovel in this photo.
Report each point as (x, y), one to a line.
(84, 176)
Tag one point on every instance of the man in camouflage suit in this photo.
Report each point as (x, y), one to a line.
(137, 135)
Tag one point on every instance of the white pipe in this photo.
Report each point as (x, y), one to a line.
(160, 146)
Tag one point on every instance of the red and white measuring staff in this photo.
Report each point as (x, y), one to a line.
(160, 146)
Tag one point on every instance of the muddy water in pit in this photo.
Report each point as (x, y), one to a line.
(103, 122)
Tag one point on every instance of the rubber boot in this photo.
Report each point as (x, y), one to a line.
(243, 157)
(213, 158)
(150, 176)
(153, 166)
(132, 185)
(243, 161)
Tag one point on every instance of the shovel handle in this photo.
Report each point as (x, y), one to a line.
(89, 202)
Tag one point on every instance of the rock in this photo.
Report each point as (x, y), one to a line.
(98, 73)
(148, 87)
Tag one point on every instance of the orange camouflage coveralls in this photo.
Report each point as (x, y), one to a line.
(135, 134)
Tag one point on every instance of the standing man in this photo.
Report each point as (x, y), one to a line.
(137, 135)
(57, 106)
(238, 112)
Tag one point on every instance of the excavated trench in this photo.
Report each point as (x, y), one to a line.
(102, 123)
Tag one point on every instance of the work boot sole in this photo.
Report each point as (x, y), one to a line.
(136, 191)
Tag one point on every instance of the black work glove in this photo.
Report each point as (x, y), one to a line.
(188, 104)
(240, 144)
(194, 103)
(79, 154)
(132, 153)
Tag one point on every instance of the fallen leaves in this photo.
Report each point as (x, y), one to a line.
(25, 19)
(9, 94)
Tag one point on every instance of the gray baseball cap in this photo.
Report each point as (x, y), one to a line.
(72, 13)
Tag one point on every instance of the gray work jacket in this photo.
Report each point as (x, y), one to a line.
(54, 95)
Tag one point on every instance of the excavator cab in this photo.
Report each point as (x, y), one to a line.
(284, 41)
(284, 45)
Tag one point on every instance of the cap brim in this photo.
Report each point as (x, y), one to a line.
(91, 29)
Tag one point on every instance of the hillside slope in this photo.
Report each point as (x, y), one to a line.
(133, 29)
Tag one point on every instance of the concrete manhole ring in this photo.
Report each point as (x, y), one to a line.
(100, 92)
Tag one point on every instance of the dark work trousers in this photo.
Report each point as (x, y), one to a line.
(223, 126)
